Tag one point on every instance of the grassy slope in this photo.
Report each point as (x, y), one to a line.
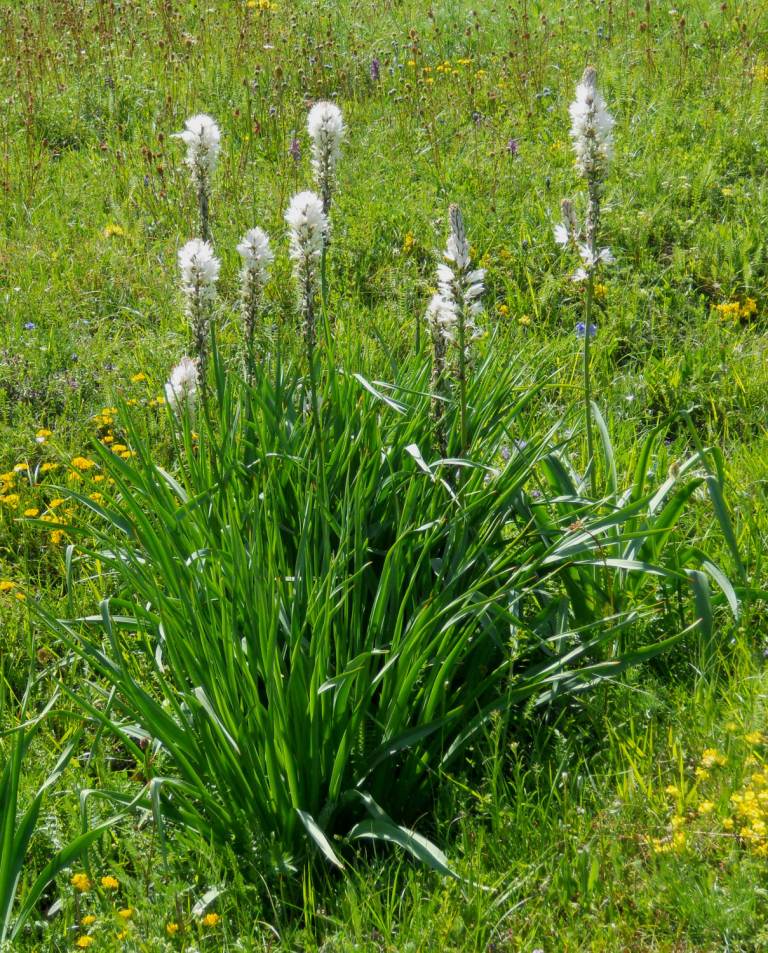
(93, 91)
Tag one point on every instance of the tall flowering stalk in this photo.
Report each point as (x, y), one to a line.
(202, 137)
(325, 126)
(437, 384)
(257, 256)
(199, 269)
(592, 135)
(460, 289)
(307, 226)
(306, 234)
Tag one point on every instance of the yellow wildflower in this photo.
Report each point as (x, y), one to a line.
(171, 929)
(82, 463)
(109, 882)
(32, 512)
(80, 882)
(84, 942)
(126, 913)
(710, 757)
(48, 467)
(6, 585)
(754, 738)
(211, 919)
(706, 807)
(138, 378)
(88, 920)
(114, 231)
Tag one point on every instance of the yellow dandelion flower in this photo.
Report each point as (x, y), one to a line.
(503, 310)
(706, 807)
(57, 536)
(126, 913)
(114, 231)
(211, 919)
(109, 882)
(6, 585)
(21, 468)
(138, 378)
(88, 920)
(84, 942)
(754, 738)
(172, 929)
(82, 463)
(42, 435)
(49, 467)
(80, 882)
(32, 512)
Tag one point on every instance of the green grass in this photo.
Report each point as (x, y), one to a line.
(551, 819)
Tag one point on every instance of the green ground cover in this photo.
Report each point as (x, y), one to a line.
(626, 817)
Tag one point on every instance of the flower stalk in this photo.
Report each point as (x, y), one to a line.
(202, 137)
(257, 257)
(592, 135)
(199, 273)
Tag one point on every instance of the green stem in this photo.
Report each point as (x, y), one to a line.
(591, 463)
(462, 386)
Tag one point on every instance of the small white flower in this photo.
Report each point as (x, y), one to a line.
(182, 386)
(203, 140)
(561, 234)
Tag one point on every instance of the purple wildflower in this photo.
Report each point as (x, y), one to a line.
(294, 150)
(30, 326)
(375, 69)
(580, 328)
(513, 147)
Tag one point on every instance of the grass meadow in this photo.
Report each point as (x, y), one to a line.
(375, 642)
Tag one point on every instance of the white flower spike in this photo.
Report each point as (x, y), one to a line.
(181, 389)
(325, 126)
(307, 226)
